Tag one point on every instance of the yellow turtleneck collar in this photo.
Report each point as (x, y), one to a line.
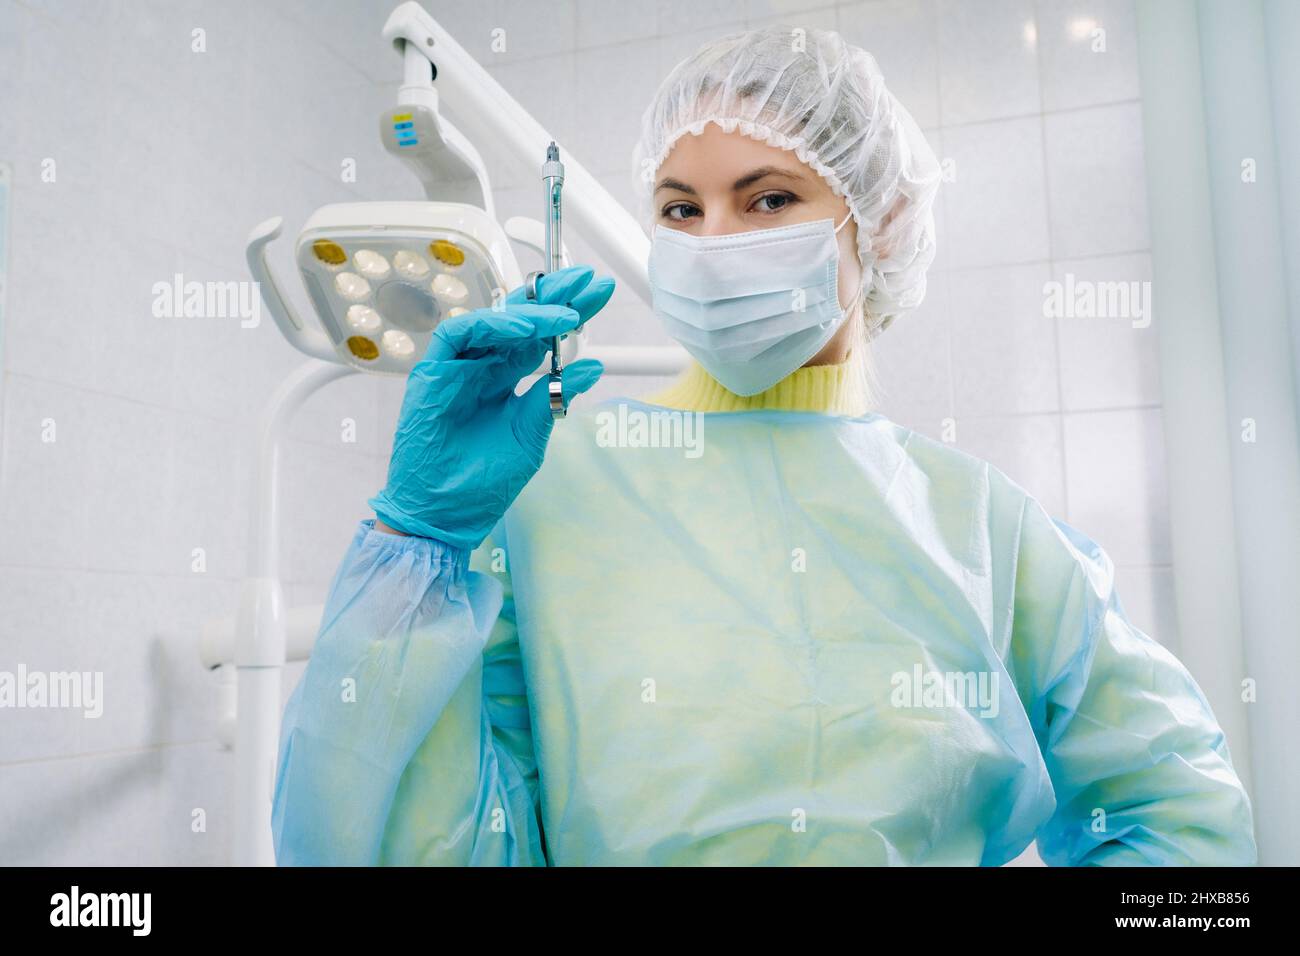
(833, 389)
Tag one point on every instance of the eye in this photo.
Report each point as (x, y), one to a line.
(774, 202)
(680, 211)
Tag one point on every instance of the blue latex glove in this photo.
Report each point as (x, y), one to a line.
(466, 444)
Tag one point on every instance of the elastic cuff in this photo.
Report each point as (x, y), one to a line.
(395, 518)
(439, 554)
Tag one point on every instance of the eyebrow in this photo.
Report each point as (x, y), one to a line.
(677, 185)
(750, 178)
(744, 181)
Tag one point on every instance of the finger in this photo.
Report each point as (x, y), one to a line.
(593, 298)
(580, 377)
(556, 288)
(575, 287)
(534, 421)
(510, 328)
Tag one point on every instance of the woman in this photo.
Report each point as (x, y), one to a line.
(821, 639)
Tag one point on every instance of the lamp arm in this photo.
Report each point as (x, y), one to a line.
(487, 113)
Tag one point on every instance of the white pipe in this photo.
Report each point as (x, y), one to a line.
(217, 642)
(260, 635)
(416, 75)
(284, 402)
(227, 703)
(257, 733)
(637, 359)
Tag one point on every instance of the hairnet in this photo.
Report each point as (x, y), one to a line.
(811, 92)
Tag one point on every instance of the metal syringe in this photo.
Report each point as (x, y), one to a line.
(553, 177)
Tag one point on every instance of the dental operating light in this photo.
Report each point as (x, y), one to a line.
(382, 275)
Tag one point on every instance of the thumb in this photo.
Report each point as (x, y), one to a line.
(533, 420)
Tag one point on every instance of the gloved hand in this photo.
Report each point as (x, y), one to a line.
(466, 444)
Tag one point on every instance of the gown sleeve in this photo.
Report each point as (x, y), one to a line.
(1139, 766)
(407, 741)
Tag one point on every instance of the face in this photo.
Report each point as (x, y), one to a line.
(718, 184)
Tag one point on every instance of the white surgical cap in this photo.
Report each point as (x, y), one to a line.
(808, 91)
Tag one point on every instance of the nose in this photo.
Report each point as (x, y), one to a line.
(722, 223)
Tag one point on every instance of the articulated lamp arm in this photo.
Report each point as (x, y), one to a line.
(488, 114)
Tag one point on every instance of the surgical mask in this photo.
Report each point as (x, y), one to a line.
(753, 306)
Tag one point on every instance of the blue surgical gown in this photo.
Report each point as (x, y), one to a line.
(807, 640)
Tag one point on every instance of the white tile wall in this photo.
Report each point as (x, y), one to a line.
(1096, 190)
(1003, 350)
(913, 363)
(995, 208)
(988, 60)
(166, 158)
(1115, 482)
(1088, 52)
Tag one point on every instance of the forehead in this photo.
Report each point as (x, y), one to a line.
(718, 156)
